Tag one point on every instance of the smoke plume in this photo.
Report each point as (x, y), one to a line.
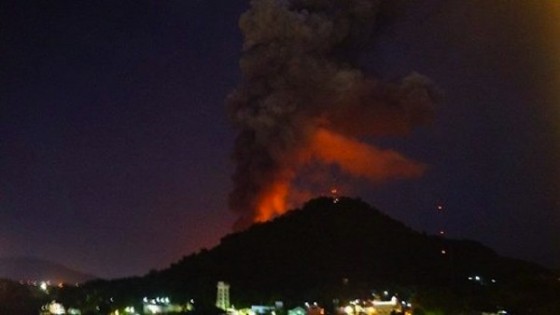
(301, 101)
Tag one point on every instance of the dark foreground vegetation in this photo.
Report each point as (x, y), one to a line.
(20, 299)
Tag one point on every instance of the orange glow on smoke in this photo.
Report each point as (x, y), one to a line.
(362, 160)
(352, 156)
(273, 202)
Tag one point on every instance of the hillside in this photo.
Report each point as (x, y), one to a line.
(345, 250)
(34, 269)
(19, 299)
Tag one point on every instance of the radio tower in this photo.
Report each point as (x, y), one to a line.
(446, 250)
(441, 232)
(334, 194)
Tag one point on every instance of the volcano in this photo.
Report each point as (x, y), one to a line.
(339, 249)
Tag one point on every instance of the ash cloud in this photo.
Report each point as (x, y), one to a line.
(301, 100)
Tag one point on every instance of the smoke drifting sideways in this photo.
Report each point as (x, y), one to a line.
(301, 101)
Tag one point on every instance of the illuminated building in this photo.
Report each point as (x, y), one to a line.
(53, 308)
(262, 309)
(297, 311)
(222, 296)
(161, 305)
(375, 307)
(315, 310)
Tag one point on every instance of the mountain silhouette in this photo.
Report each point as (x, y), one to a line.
(35, 269)
(343, 249)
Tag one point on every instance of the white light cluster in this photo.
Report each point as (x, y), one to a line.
(157, 300)
(375, 306)
(480, 280)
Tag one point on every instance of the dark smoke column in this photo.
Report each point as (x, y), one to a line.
(301, 101)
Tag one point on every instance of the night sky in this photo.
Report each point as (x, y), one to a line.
(115, 143)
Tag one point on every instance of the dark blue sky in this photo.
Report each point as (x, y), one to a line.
(115, 144)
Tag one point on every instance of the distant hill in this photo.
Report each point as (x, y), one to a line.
(336, 251)
(35, 269)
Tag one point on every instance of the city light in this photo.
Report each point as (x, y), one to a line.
(54, 308)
